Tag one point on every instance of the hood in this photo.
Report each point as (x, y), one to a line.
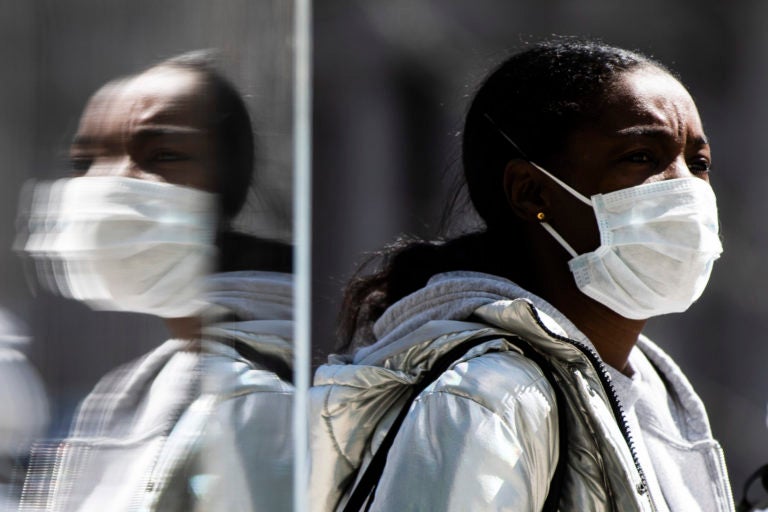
(458, 296)
(252, 295)
(252, 307)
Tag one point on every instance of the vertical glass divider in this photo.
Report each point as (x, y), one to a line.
(302, 195)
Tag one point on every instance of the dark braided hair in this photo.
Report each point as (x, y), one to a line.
(536, 98)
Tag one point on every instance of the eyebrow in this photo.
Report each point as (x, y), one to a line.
(145, 132)
(161, 130)
(658, 131)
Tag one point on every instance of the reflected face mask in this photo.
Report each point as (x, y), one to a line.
(124, 244)
(658, 242)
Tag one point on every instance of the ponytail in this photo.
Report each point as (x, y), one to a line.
(406, 266)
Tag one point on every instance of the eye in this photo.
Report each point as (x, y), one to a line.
(700, 165)
(165, 155)
(80, 164)
(641, 157)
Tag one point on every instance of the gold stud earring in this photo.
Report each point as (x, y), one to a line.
(541, 216)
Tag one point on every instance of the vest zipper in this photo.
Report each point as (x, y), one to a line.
(613, 400)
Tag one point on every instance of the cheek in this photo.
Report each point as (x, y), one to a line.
(704, 176)
(197, 175)
(209, 174)
(575, 222)
(187, 174)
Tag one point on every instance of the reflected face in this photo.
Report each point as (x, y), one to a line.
(649, 130)
(154, 127)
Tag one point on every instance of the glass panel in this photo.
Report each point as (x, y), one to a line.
(303, 246)
(172, 230)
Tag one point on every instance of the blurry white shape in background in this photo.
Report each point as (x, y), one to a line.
(24, 413)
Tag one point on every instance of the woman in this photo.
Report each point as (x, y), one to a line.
(589, 166)
(164, 161)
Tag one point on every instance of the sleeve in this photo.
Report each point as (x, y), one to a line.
(483, 437)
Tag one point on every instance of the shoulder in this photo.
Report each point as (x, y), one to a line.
(245, 399)
(489, 422)
(501, 398)
(505, 383)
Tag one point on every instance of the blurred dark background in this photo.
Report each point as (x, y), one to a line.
(392, 81)
(55, 55)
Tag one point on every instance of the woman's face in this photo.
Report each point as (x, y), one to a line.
(649, 130)
(154, 126)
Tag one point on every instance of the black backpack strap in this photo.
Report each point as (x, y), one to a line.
(366, 486)
(551, 504)
(266, 361)
(262, 360)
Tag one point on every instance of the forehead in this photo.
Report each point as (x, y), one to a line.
(650, 96)
(160, 96)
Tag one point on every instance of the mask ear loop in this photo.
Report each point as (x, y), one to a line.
(575, 193)
(540, 216)
(578, 195)
(556, 235)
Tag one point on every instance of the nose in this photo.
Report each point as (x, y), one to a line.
(678, 168)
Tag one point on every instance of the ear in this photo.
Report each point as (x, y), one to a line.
(526, 190)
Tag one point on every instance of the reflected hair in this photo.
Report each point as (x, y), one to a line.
(232, 129)
(235, 167)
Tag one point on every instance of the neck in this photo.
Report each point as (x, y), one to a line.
(612, 335)
(187, 328)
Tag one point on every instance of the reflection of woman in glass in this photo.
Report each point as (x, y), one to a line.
(165, 161)
(589, 166)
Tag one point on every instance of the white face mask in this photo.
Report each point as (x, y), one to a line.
(125, 244)
(658, 242)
